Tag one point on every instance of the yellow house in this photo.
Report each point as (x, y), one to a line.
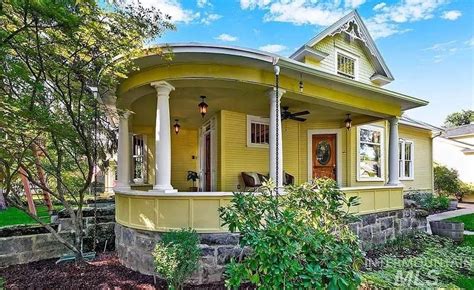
(321, 112)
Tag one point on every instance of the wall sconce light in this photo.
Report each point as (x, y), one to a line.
(348, 121)
(203, 107)
(176, 126)
(301, 83)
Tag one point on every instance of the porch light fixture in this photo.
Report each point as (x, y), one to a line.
(301, 83)
(203, 107)
(176, 126)
(348, 121)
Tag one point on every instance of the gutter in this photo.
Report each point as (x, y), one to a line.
(301, 67)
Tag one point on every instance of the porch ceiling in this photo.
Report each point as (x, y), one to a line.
(234, 96)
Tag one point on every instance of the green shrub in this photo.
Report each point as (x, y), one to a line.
(428, 201)
(464, 189)
(299, 240)
(176, 256)
(446, 180)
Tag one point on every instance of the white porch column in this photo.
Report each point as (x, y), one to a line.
(274, 123)
(163, 138)
(393, 175)
(123, 154)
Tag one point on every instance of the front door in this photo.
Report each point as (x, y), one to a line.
(324, 156)
(207, 162)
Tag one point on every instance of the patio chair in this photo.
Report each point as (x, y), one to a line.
(288, 179)
(252, 180)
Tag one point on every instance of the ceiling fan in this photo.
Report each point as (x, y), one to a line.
(285, 114)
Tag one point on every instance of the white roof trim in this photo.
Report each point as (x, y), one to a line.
(364, 36)
(308, 51)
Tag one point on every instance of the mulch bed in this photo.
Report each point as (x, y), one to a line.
(105, 272)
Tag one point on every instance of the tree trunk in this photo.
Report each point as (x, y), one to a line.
(3, 204)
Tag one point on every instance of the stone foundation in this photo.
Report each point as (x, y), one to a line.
(134, 247)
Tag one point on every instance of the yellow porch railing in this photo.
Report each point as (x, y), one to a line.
(199, 210)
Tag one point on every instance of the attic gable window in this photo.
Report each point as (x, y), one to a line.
(346, 65)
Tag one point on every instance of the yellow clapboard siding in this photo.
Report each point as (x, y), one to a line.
(183, 147)
(423, 158)
(328, 64)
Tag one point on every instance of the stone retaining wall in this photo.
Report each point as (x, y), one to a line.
(134, 247)
(378, 228)
(25, 247)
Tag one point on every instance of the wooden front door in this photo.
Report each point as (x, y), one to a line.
(207, 162)
(324, 156)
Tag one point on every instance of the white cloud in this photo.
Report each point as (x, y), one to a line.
(379, 6)
(442, 46)
(451, 15)
(273, 48)
(203, 3)
(354, 3)
(226, 37)
(209, 18)
(169, 7)
(388, 18)
(252, 4)
(470, 42)
(447, 49)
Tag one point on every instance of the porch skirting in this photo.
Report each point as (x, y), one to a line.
(134, 246)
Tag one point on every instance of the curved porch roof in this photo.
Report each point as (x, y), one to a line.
(237, 66)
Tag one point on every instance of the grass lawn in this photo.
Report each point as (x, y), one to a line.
(467, 219)
(408, 262)
(14, 216)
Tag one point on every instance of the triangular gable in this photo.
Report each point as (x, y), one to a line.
(352, 25)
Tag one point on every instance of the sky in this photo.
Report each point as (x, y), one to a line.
(427, 44)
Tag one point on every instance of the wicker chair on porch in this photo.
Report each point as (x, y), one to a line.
(254, 180)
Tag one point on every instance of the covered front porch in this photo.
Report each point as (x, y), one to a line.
(240, 133)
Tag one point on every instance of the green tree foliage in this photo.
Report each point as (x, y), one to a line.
(299, 240)
(176, 256)
(446, 180)
(459, 118)
(51, 53)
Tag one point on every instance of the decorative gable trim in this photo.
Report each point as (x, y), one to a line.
(306, 51)
(380, 79)
(354, 27)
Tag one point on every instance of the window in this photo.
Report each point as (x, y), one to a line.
(346, 66)
(258, 131)
(139, 158)
(405, 154)
(370, 153)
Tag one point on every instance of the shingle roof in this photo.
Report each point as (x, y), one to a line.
(460, 131)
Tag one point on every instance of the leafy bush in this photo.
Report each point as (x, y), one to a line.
(446, 180)
(428, 201)
(176, 256)
(464, 189)
(298, 240)
(439, 264)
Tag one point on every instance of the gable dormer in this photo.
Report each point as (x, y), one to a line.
(346, 49)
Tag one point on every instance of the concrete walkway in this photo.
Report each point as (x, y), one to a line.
(463, 209)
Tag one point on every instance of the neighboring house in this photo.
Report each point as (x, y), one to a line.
(455, 149)
(338, 77)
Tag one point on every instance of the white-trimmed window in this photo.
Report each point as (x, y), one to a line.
(139, 158)
(370, 155)
(406, 159)
(346, 65)
(258, 131)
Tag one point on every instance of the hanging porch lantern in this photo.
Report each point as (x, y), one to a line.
(348, 121)
(203, 107)
(301, 85)
(176, 126)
